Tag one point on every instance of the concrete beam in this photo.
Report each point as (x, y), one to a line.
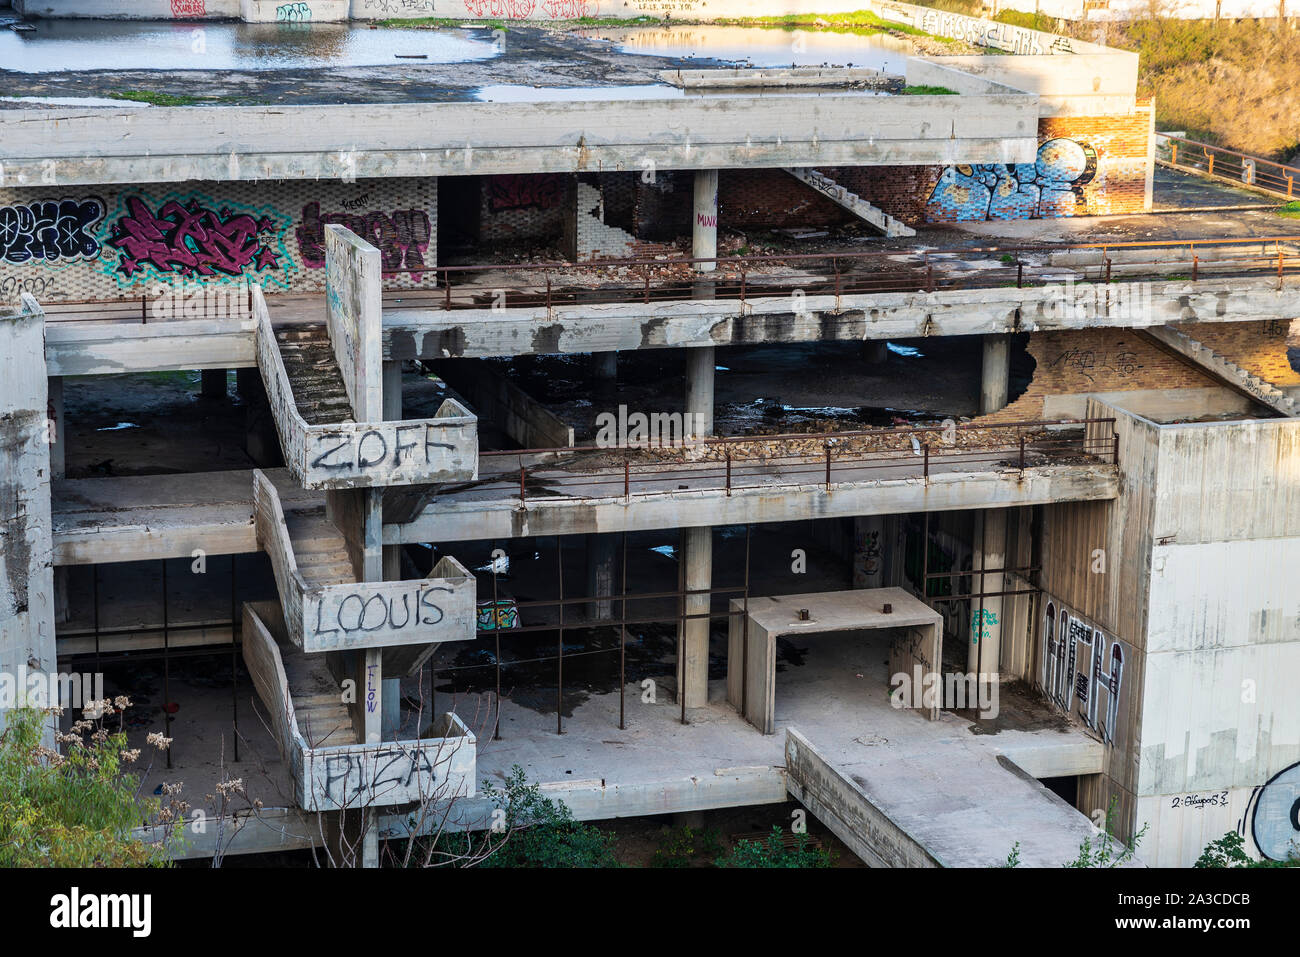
(230, 143)
(447, 520)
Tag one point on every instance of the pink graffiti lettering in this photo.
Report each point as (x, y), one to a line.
(190, 239)
(566, 9)
(402, 237)
(189, 8)
(503, 9)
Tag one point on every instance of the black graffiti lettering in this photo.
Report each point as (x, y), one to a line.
(406, 606)
(320, 624)
(399, 446)
(360, 612)
(50, 230)
(383, 609)
(319, 461)
(362, 461)
(426, 603)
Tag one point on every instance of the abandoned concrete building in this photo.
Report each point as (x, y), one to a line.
(878, 434)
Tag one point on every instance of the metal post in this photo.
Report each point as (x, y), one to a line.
(234, 656)
(559, 661)
(167, 696)
(523, 475)
(828, 466)
(744, 634)
(728, 472)
(496, 633)
(622, 647)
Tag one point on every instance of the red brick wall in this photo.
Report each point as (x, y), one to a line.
(1078, 362)
(1258, 347)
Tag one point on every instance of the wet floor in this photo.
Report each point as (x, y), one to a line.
(66, 45)
(761, 47)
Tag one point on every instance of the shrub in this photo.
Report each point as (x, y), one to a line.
(772, 852)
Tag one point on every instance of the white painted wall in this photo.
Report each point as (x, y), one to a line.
(1221, 693)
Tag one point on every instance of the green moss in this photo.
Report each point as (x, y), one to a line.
(154, 98)
(925, 89)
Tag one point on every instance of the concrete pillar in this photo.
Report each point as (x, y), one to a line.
(248, 383)
(700, 364)
(869, 551)
(989, 552)
(997, 370)
(213, 383)
(391, 692)
(696, 556)
(54, 426)
(27, 555)
(704, 225)
(602, 566)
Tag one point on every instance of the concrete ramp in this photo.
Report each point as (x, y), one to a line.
(946, 807)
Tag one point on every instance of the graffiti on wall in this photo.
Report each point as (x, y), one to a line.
(503, 615)
(1089, 362)
(522, 191)
(292, 13)
(402, 6)
(191, 238)
(1082, 667)
(1274, 815)
(50, 230)
(1050, 187)
(401, 236)
(181, 9)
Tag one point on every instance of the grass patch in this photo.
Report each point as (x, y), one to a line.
(1290, 210)
(439, 23)
(154, 98)
(861, 23)
(926, 89)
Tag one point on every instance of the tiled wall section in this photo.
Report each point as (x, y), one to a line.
(65, 244)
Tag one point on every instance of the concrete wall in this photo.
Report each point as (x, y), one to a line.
(1196, 591)
(105, 243)
(26, 549)
(131, 9)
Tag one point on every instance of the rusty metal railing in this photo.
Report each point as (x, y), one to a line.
(740, 463)
(551, 284)
(1226, 164)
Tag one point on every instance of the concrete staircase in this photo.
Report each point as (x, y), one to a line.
(1201, 355)
(314, 376)
(872, 215)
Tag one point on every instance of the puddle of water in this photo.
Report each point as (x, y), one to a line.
(906, 352)
(61, 45)
(71, 101)
(762, 47)
(119, 427)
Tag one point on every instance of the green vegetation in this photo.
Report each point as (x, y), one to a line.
(155, 98)
(1290, 210)
(773, 852)
(78, 808)
(1102, 853)
(529, 830)
(926, 89)
(1230, 851)
(686, 847)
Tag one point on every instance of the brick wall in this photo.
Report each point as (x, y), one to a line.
(1258, 347)
(1087, 166)
(1078, 362)
(901, 191)
(525, 210)
(73, 243)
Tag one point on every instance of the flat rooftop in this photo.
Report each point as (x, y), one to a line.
(93, 63)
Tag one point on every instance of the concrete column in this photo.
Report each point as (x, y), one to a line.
(602, 565)
(869, 551)
(54, 425)
(700, 364)
(213, 383)
(704, 224)
(989, 552)
(248, 383)
(696, 556)
(997, 370)
(391, 691)
(27, 555)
